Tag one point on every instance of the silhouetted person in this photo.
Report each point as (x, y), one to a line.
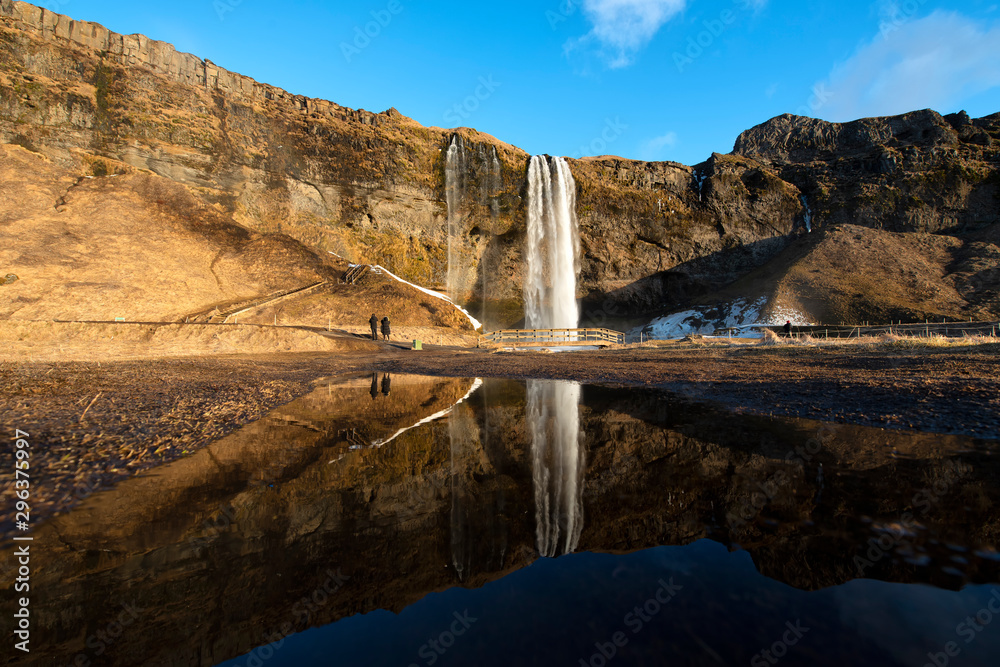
(374, 324)
(386, 384)
(385, 328)
(374, 390)
(788, 329)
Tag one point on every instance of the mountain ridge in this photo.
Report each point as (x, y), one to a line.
(371, 187)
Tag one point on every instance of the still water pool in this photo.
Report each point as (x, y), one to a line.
(404, 520)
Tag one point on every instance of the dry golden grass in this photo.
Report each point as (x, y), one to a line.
(136, 246)
(86, 341)
(864, 343)
(143, 248)
(881, 342)
(429, 335)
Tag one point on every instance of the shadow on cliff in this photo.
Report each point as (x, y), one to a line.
(680, 286)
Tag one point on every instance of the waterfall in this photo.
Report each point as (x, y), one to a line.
(472, 190)
(808, 213)
(494, 183)
(700, 180)
(553, 243)
(557, 464)
(454, 172)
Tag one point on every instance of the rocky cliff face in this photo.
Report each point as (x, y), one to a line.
(372, 187)
(919, 172)
(367, 186)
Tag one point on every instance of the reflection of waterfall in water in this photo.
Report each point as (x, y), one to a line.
(557, 464)
(553, 243)
(458, 438)
(478, 532)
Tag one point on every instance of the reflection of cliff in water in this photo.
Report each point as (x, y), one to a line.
(557, 464)
(221, 547)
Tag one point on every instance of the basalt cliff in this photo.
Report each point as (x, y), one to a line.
(372, 187)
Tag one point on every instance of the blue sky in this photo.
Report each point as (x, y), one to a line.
(647, 79)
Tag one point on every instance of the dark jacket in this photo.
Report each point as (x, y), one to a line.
(373, 322)
(385, 326)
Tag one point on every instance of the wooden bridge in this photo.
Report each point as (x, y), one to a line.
(553, 338)
(355, 273)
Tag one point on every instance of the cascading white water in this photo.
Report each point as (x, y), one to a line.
(492, 190)
(553, 243)
(454, 172)
(808, 214)
(557, 465)
(700, 179)
(494, 182)
(472, 189)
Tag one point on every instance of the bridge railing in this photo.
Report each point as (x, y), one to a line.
(554, 337)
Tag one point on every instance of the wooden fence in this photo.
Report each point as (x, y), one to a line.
(553, 338)
(927, 329)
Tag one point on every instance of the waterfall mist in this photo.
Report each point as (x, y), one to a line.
(553, 244)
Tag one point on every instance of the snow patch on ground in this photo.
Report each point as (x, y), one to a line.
(779, 314)
(705, 320)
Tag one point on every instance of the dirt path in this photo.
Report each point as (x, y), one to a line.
(92, 424)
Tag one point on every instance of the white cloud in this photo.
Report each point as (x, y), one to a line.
(622, 27)
(653, 149)
(934, 62)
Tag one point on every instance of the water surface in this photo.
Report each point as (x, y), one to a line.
(404, 520)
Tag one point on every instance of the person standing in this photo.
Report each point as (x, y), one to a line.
(374, 324)
(385, 328)
(788, 329)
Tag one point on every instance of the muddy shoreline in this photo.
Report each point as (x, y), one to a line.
(92, 424)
